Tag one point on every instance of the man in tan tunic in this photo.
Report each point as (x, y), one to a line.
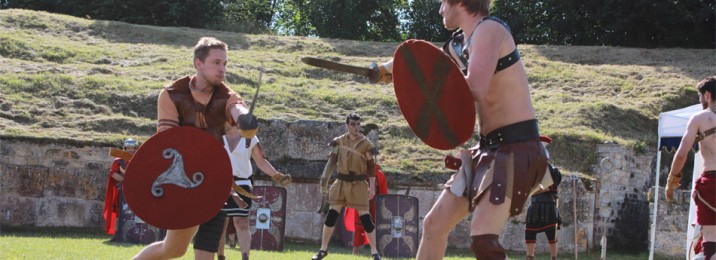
(352, 156)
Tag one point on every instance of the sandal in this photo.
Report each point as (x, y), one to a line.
(319, 255)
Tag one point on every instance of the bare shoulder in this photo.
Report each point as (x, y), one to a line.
(704, 120)
(706, 116)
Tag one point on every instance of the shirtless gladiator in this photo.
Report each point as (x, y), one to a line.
(701, 129)
(487, 53)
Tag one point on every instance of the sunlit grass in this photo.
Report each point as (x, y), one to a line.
(69, 243)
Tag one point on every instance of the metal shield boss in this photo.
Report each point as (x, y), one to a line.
(433, 95)
(179, 178)
(267, 218)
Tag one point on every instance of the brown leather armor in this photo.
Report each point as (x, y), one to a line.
(187, 108)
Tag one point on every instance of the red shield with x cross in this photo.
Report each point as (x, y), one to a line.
(433, 95)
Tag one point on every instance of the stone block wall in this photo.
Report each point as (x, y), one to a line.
(64, 185)
(671, 223)
(623, 177)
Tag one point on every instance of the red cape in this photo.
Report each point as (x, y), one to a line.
(111, 200)
(351, 218)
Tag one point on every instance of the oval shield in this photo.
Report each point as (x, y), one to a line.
(179, 178)
(433, 95)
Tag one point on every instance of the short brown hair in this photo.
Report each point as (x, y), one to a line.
(474, 6)
(205, 44)
(708, 84)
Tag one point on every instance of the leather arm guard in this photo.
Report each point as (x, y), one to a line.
(672, 182)
(327, 171)
(384, 76)
(282, 179)
(370, 164)
(385, 73)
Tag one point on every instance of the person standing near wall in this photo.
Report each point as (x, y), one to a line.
(351, 157)
(242, 144)
(113, 195)
(700, 129)
(543, 213)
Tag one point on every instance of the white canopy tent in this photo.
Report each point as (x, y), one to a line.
(672, 126)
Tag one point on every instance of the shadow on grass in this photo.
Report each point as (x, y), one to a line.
(54, 232)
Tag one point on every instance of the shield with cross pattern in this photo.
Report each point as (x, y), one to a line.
(433, 95)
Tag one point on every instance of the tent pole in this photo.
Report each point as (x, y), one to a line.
(656, 200)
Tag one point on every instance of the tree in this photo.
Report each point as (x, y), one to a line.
(424, 21)
(635, 23)
(375, 20)
(190, 13)
(248, 16)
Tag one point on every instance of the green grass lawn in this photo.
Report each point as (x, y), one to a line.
(70, 243)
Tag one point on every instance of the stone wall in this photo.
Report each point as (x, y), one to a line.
(671, 223)
(623, 179)
(64, 185)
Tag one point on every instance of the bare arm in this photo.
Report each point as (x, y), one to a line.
(258, 155)
(674, 179)
(117, 177)
(686, 143)
(484, 52)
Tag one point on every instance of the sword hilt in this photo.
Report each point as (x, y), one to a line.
(249, 122)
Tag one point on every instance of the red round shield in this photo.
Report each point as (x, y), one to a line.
(178, 178)
(433, 95)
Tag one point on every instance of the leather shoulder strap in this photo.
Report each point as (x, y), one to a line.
(702, 136)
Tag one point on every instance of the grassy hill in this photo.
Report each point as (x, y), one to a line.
(72, 80)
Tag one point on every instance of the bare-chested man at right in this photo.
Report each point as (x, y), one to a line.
(510, 159)
(701, 129)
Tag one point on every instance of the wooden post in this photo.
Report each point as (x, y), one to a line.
(574, 207)
(604, 247)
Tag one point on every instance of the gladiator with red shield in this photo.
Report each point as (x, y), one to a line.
(509, 162)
